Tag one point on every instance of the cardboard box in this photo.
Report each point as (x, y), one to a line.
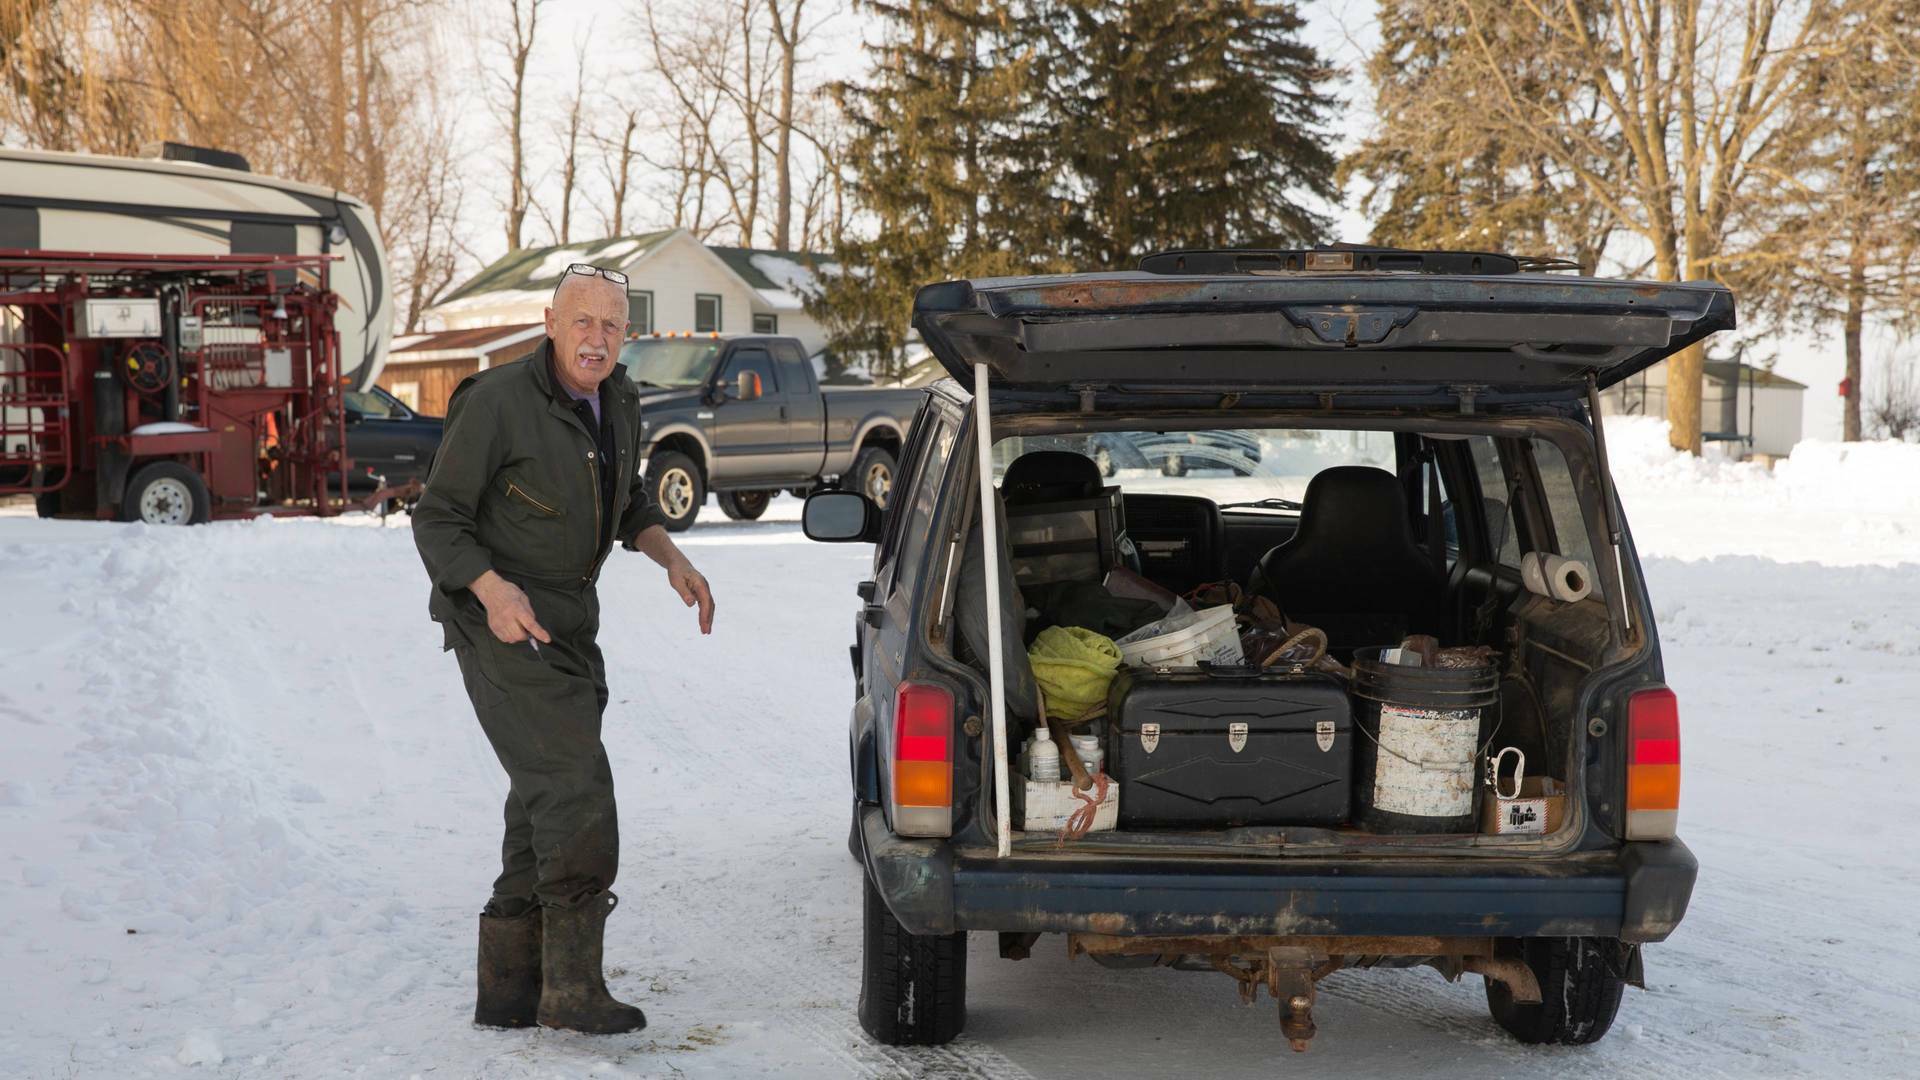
(1045, 806)
(1541, 808)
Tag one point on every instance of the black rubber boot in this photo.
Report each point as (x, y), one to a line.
(573, 993)
(509, 969)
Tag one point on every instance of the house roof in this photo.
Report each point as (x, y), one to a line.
(538, 270)
(459, 344)
(1728, 370)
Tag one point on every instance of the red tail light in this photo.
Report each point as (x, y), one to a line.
(922, 760)
(1653, 765)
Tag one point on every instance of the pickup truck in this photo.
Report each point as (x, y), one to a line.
(1445, 406)
(744, 416)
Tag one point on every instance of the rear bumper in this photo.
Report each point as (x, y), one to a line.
(1637, 893)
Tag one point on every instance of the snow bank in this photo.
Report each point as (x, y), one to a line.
(1839, 504)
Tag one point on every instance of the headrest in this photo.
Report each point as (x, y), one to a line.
(1051, 476)
(1360, 504)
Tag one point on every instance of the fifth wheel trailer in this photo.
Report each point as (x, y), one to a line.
(190, 206)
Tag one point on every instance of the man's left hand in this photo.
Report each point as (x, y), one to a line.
(692, 587)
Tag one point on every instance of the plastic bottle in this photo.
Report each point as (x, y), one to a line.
(1092, 755)
(1043, 758)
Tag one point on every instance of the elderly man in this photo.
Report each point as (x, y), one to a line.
(536, 478)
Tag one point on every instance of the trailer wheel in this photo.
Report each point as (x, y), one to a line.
(166, 493)
(47, 504)
(674, 481)
(913, 988)
(744, 505)
(1581, 982)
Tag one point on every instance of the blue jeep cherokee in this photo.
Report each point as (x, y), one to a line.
(1454, 397)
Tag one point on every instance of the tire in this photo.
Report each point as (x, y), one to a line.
(1581, 982)
(744, 505)
(674, 483)
(1103, 459)
(872, 475)
(166, 493)
(46, 503)
(1173, 465)
(913, 989)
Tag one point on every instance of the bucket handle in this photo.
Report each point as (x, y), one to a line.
(1519, 771)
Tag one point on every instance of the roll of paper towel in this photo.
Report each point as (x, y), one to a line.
(1550, 575)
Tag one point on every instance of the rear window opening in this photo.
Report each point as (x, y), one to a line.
(1259, 584)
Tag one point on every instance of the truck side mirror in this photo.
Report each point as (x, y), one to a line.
(840, 517)
(747, 386)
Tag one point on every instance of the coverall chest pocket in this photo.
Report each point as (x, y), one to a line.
(526, 503)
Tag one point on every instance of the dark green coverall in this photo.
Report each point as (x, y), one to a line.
(523, 485)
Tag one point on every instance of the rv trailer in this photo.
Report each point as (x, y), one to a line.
(87, 203)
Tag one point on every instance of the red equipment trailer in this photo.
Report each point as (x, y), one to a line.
(170, 388)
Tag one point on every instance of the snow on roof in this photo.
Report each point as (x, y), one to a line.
(538, 270)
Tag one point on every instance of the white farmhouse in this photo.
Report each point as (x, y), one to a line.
(675, 284)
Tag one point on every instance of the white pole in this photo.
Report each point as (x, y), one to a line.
(996, 678)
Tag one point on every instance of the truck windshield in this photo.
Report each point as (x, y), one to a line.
(670, 362)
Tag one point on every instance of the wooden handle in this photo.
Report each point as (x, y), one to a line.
(1082, 779)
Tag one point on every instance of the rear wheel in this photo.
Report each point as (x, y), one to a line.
(166, 493)
(913, 988)
(674, 481)
(1581, 982)
(872, 475)
(744, 505)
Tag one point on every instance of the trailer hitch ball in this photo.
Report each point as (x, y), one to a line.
(1296, 1022)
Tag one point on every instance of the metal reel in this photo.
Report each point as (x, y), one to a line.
(149, 367)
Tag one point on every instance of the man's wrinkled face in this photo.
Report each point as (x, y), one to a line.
(587, 322)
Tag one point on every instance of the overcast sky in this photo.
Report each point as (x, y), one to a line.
(1343, 31)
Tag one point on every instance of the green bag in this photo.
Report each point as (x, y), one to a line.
(1074, 667)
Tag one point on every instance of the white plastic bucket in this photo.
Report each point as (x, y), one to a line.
(1211, 637)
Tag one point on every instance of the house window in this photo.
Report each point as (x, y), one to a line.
(706, 313)
(766, 324)
(639, 313)
(408, 393)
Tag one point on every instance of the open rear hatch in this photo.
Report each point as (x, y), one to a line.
(1399, 327)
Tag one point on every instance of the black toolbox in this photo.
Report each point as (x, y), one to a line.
(1215, 747)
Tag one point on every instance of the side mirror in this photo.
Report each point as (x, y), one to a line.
(354, 417)
(747, 386)
(840, 517)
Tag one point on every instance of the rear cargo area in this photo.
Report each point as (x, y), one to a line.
(1288, 639)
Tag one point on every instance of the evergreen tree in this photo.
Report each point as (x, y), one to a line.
(1178, 123)
(927, 166)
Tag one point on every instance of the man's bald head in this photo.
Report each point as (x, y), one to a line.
(587, 321)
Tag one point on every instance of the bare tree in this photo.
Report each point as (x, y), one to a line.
(570, 157)
(1894, 408)
(517, 39)
(1663, 115)
(787, 35)
(616, 158)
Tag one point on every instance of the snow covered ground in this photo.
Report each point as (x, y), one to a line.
(246, 818)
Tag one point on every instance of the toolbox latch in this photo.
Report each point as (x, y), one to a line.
(1149, 737)
(1237, 736)
(1323, 734)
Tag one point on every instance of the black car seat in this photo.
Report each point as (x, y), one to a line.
(1045, 476)
(1353, 568)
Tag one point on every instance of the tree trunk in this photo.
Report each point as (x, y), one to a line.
(1856, 310)
(1686, 369)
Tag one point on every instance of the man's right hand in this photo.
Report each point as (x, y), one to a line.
(509, 612)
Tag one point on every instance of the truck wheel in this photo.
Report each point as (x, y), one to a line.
(166, 493)
(913, 988)
(1173, 465)
(674, 482)
(744, 505)
(872, 475)
(1581, 981)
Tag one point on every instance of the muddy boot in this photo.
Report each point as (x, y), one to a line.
(509, 968)
(574, 994)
